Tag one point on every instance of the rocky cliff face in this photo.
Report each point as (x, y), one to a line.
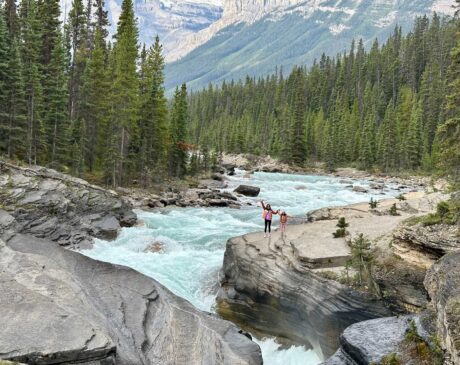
(443, 285)
(67, 210)
(59, 307)
(265, 287)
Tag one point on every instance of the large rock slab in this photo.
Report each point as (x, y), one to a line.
(67, 210)
(443, 285)
(58, 306)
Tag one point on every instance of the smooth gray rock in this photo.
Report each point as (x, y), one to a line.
(247, 190)
(67, 210)
(359, 189)
(369, 341)
(58, 306)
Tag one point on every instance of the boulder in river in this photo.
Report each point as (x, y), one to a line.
(248, 190)
(359, 189)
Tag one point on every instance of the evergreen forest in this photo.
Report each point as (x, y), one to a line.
(393, 108)
(75, 99)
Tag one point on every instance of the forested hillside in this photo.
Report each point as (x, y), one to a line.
(394, 107)
(72, 100)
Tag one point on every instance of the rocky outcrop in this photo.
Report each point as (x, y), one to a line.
(67, 210)
(443, 285)
(57, 306)
(247, 190)
(266, 286)
(60, 307)
(197, 197)
(283, 286)
(435, 240)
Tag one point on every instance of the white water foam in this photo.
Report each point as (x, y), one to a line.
(194, 240)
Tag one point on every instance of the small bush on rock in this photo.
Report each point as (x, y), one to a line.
(341, 231)
(394, 210)
(391, 359)
(373, 203)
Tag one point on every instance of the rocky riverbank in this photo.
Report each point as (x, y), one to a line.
(295, 288)
(59, 307)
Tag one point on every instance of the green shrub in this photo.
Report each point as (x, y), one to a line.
(431, 220)
(394, 210)
(373, 203)
(362, 260)
(401, 197)
(391, 359)
(443, 209)
(342, 230)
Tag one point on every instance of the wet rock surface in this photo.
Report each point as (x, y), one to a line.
(197, 197)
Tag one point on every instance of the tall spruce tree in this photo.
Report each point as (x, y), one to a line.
(76, 28)
(32, 56)
(93, 96)
(298, 143)
(125, 89)
(153, 130)
(55, 115)
(178, 133)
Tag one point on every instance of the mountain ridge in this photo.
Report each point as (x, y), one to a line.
(289, 33)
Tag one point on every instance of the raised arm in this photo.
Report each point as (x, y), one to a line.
(263, 205)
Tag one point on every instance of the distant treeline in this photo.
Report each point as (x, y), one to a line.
(394, 107)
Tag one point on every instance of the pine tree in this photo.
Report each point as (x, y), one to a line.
(31, 52)
(298, 141)
(94, 102)
(76, 28)
(153, 122)
(413, 143)
(4, 76)
(178, 133)
(11, 17)
(56, 102)
(15, 106)
(387, 154)
(367, 145)
(125, 89)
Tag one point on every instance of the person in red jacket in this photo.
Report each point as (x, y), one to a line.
(268, 216)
